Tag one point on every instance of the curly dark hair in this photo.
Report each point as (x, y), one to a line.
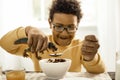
(66, 6)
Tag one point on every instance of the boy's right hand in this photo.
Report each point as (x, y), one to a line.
(37, 40)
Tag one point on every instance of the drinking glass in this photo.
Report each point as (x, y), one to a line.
(15, 74)
(0, 72)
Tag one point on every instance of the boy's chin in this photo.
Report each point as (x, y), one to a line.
(64, 43)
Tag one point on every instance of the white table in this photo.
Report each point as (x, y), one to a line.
(69, 76)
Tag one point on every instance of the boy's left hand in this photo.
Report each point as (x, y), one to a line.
(90, 47)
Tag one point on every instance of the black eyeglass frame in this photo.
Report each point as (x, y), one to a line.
(64, 28)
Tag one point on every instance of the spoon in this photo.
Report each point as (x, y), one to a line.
(57, 54)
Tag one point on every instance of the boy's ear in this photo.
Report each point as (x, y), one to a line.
(49, 20)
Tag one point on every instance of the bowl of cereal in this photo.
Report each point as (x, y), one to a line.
(55, 68)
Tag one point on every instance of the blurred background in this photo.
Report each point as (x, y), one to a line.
(100, 17)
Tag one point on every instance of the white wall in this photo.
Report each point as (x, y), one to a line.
(109, 30)
(14, 13)
(117, 15)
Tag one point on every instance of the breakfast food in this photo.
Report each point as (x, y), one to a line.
(57, 60)
(55, 68)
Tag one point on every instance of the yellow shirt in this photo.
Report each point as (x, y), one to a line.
(94, 66)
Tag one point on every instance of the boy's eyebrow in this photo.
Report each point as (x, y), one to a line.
(58, 23)
(63, 24)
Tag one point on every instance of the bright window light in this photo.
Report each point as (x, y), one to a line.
(41, 10)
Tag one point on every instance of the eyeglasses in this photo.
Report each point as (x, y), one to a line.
(68, 28)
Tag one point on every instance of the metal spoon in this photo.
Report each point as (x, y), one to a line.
(57, 54)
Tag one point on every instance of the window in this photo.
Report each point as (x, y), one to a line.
(41, 10)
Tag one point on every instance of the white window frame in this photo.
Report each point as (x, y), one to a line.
(88, 9)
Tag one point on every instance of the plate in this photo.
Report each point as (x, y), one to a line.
(77, 78)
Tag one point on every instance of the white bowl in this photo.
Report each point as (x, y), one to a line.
(55, 70)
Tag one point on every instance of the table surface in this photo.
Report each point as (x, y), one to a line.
(30, 75)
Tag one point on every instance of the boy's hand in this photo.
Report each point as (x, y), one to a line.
(90, 47)
(37, 40)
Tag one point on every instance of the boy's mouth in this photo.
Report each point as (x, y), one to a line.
(64, 38)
